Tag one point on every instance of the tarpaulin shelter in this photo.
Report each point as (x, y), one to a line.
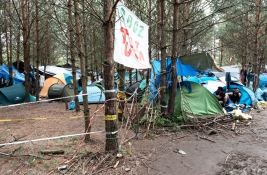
(94, 95)
(201, 61)
(54, 70)
(194, 100)
(156, 73)
(17, 76)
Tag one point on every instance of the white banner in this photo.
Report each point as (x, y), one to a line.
(131, 39)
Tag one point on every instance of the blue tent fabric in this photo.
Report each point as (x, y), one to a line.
(200, 80)
(263, 81)
(247, 95)
(182, 70)
(95, 95)
(18, 77)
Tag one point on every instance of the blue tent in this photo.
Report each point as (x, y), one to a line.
(12, 94)
(263, 81)
(200, 80)
(248, 96)
(18, 77)
(95, 95)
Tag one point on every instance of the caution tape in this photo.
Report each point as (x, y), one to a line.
(110, 117)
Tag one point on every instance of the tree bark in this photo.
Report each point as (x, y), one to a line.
(72, 57)
(256, 66)
(121, 93)
(110, 108)
(175, 47)
(36, 85)
(82, 65)
(163, 47)
(26, 48)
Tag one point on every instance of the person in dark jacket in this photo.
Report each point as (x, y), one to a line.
(220, 95)
(234, 97)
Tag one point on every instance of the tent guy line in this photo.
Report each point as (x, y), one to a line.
(57, 137)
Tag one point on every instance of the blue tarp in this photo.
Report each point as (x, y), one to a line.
(18, 77)
(182, 70)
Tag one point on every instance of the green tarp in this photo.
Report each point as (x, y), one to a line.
(199, 102)
(201, 61)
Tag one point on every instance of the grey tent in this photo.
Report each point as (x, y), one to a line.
(59, 91)
(12, 94)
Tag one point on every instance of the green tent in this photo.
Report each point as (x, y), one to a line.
(59, 90)
(12, 94)
(198, 102)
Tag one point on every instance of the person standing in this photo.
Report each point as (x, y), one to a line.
(243, 75)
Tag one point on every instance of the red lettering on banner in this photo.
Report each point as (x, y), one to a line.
(131, 46)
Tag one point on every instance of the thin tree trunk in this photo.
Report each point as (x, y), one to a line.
(256, 66)
(18, 49)
(221, 55)
(26, 34)
(37, 50)
(121, 93)
(1, 53)
(82, 65)
(72, 57)
(110, 108)
(10, 46)
(175, 42)
(163, 100)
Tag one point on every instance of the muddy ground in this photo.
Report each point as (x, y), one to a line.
(239, 152)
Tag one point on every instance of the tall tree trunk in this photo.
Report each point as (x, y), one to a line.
(72, 56)
(110, 108)
(175, 47)
(10, 45)
(26, 49)
(37, 85)
(82, 65)
(18, 49)
(1, 52)
(256, 66)
(221, 55)
(163, 47)
(158, 29)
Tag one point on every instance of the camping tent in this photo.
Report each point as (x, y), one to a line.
(94, 95)
(59, 90)
(12, 94)
(194, 100)
(49, 82)
(247, 95)
(61, 78)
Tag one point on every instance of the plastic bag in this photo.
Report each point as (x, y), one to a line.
(72, 105)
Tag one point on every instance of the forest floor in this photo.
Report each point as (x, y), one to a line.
(190, 151)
